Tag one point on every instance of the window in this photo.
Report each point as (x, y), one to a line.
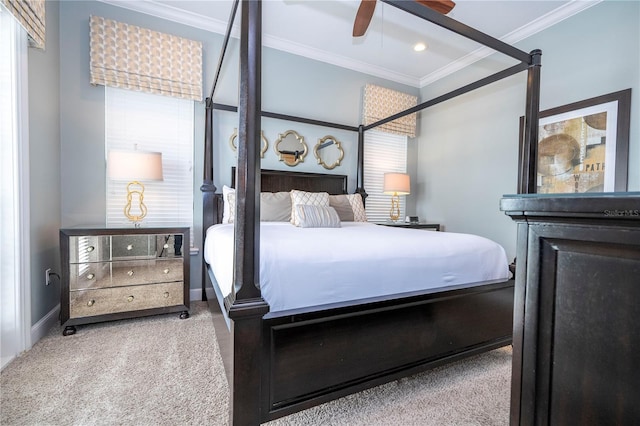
(15, 313)
(383, 152)
(149, 122)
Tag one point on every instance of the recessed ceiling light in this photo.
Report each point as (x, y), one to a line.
(419, 47)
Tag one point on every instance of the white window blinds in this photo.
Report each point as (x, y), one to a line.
(383, 152)
(148, 122)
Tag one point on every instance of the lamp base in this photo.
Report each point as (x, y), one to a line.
(394, 213)
(139, 194)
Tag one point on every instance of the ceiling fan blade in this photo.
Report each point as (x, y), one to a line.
(442, 6)
(363, 17)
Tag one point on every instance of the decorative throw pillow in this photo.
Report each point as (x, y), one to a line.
(308, 198)
(317, 216)
(359, 214)
(275, 207)
(229, 208)
(231, 198)
(343, 207)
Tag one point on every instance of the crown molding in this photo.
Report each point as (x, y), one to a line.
(338, 60)
(558, 15)
(171, 13)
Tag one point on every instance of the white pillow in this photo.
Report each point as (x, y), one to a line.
(359, 214)
(317, 216)
(308, 198)
(229, 209)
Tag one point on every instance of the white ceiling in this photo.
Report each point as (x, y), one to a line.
(322, 29)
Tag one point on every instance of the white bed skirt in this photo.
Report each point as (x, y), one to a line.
(302, 267)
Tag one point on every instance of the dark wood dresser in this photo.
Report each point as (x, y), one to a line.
(576, 341)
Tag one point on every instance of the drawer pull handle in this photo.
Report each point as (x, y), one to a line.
(166, 294)
(90, 249)
(91, 276)
(91, 302)
(130, 247)
(130, 273)
(166, 245)
(130, 299)
(166, 270)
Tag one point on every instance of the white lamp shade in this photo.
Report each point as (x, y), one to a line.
(134, 165)
(396, 183)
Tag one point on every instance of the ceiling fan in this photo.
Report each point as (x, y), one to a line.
(367, 7)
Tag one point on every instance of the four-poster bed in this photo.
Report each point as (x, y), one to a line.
(281, 362)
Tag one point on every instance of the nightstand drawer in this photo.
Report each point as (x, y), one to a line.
(124, 273)
(85, 303)
(89, 248)
(102, 248)
(133, 246)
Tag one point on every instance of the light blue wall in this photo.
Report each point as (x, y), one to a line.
(291, 85)
(468, 146)
(44, 168)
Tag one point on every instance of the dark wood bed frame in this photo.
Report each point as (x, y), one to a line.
(278, 363)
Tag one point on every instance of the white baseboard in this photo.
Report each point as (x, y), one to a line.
(42, 327)
(195, 294)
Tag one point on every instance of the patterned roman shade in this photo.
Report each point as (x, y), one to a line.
(31, 15)
(135, 58)
(380, 102)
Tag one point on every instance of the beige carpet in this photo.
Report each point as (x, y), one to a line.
(165, 371)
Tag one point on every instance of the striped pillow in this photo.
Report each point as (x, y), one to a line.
(312, 216)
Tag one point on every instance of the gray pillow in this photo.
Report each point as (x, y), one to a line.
(275, 207)
(342, 206)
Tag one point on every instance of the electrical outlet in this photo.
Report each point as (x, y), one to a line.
(47, 276)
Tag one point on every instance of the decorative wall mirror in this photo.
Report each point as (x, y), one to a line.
(291, 147)
(329, 152)
(233, 141)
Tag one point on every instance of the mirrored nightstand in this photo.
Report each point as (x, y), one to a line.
(110, 274)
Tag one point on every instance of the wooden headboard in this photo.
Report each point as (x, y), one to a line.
(286, 180)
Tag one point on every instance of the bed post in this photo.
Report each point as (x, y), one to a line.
(246, 307)
(208, 189)
(360, 173)
(527, 180)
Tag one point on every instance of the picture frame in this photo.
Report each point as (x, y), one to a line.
(582, 146)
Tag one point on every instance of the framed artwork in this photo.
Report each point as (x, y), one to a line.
(583, 146)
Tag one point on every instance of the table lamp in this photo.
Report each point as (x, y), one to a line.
(396, 184)
(134, 166)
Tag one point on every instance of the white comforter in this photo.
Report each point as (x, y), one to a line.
(302, 267)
